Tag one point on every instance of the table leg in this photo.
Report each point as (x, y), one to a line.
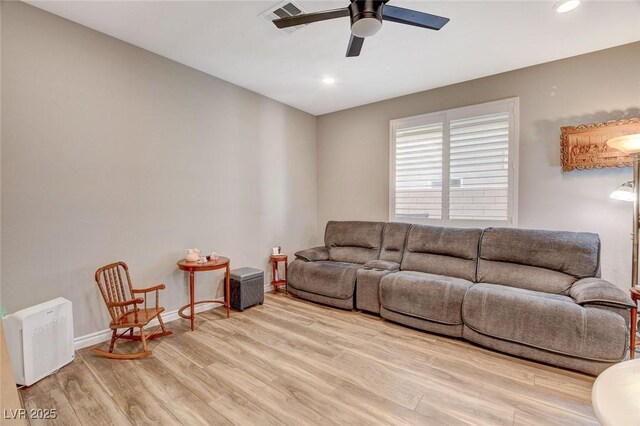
(286, 278)
(273, 275)
(632, 337)
(227, 289)
(192, 297)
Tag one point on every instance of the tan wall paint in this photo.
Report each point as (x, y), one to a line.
(110, 152)
(353, 147)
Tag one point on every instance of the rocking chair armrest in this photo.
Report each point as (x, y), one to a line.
(156, 288)
(147, 290)
(125, 303)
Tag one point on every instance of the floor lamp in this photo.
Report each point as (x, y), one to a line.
(630, 191)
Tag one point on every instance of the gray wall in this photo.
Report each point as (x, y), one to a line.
(353, 147)
(110, 152)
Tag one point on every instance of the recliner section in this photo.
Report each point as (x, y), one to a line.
(530, 293)
(550, 322)
(328, 274)
(438, 267)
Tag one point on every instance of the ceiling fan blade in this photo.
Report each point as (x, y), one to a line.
(413, 17)
(355, 46)
(309, 18)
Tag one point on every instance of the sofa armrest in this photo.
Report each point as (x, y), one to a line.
(313, 254)
(596, 291)
(382, 265)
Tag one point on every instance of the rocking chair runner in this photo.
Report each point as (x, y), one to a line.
(125, 311)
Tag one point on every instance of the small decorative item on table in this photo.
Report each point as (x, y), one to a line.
(193, 255)
(276, 281)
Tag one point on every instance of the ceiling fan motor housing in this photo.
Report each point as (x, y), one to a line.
(366, 17)
(366, 20)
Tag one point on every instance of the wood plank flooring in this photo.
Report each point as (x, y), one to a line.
(294, 362)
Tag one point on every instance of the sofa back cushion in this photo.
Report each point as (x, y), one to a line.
(442, 251)
(353, 242)
(394, 238)
(548, 261)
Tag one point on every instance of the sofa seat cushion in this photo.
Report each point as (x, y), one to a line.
(551, 322)
(327, 278)
(432, 297)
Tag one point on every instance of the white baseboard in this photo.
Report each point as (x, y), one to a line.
(105, 335)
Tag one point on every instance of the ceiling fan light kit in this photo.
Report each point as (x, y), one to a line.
(366, 27)
(366, 20)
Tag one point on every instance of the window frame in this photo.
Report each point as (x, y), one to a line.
(511, 105)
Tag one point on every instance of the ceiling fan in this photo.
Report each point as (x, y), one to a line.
(366, 20)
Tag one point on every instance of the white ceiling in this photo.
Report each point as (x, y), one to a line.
(229, 40)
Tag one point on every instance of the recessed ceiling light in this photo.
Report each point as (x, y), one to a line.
(329, 81)
(566, 6)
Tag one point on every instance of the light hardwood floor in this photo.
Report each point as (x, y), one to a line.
(294, 362)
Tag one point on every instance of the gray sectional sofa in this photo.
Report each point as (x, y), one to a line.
(530, 293)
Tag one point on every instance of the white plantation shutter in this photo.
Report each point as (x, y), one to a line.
(479, 167)
(418, 152)
(456, 166)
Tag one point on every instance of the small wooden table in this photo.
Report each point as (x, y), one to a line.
(635, 296)
(275, 259)
(193, 267)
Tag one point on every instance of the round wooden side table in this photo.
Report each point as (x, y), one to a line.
(635, 296)
(193, 267)
(275, 259)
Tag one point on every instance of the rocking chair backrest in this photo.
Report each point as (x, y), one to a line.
(112, 287)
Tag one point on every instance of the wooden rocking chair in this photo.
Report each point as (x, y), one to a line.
(125, 312)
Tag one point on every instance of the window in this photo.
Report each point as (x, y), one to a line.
(456, 167)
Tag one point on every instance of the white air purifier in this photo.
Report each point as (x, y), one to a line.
(39, 339)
